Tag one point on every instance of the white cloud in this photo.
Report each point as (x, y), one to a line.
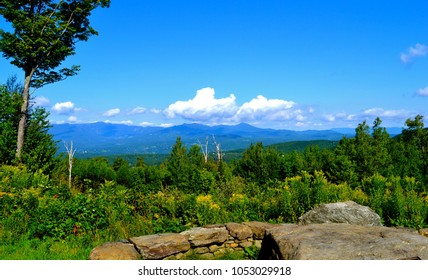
(112, 112)
(422, 91)
(368, 114)
(204, 107)
(137, 110)
(127, 122)
(64, 108)
(41, 101)
(261, 108)
(146, 124)
(335, 117)
(155, 111)
(166, 125)
(417, 50)
(329, 117)
(380, 112)
(72, 119)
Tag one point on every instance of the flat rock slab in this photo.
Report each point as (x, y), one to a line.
(347, 212)
(115, 251)
(342, 242)
(206, 236)
(239, 231)
(159, 246)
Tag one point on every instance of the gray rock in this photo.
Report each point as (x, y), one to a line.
(206, 236)
(239, 231)
(347, 212)
(258, 228)
(159, 246)
(114, 251)
(342, 242)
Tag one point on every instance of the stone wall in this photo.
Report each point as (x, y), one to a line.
(209, 242)
(343, 230)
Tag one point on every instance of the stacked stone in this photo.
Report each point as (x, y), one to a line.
(208, 242)
(343, 230)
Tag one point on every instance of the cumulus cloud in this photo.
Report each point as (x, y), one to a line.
(137, 110)
(112, 112)
(203, 107)
(422, 91)
(41, 101)
(412, 52)
(64, 108)
(261, 108)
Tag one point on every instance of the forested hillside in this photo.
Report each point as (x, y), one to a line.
(47, 216)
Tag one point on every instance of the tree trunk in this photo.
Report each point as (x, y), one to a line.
(23, 113)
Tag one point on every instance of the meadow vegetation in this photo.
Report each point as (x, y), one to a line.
(44, 217)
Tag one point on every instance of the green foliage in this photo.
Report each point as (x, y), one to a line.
(115, 200)
(45, 33)
(40, 148)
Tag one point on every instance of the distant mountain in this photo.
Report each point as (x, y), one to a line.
(112, 139)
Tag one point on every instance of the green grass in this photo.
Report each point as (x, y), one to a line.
(71, 248)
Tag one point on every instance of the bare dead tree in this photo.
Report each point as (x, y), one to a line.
(70, 153)
(204, 152)
(218, 150)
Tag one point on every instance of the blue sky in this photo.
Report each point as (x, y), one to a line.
(279, 64)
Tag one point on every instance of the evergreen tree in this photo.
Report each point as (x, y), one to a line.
(178, 165)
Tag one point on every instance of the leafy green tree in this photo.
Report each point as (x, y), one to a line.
(413, 144)
(9, 104)
(45, 34)
(259, 164)
(367, 152)
(40, 148)
(380, 143)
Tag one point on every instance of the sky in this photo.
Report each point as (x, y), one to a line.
(271, 63)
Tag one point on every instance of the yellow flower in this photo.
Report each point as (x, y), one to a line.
(204, 199)
(236, 197)
(214, 206)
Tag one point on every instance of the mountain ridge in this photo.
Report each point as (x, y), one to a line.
(110, 139)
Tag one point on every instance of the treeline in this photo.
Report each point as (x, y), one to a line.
(371, 152)
(107, 201)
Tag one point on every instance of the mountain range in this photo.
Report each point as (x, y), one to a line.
(100, 138)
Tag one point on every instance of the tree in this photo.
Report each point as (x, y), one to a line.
(179, 165)
(414, 140)
(70, 154)
(45, 34)
(40, 149)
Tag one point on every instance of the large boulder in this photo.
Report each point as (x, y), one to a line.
(331, 241)
(159, 246)
(114, 251)
(206, 236)
(347, 212)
